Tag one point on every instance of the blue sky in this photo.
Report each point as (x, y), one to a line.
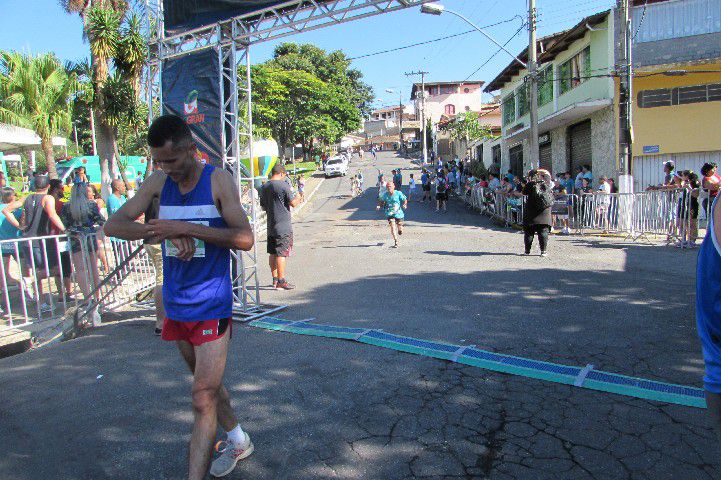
(41, 26)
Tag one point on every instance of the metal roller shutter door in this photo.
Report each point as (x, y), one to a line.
(545, 160)
(579, 144)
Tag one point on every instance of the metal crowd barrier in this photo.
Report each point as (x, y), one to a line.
(41, 277)
(665, 213)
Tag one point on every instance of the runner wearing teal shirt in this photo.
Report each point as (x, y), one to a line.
(393, 202)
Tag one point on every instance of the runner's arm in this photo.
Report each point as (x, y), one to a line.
(238, 235)
(122, 224)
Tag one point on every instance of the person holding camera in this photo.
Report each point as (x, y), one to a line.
(537, 210)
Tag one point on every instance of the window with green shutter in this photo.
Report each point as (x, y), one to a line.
(509, 109)
(522, 97)
(545, 86)
(575, 70)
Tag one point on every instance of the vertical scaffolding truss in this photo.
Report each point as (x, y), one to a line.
(232, 39)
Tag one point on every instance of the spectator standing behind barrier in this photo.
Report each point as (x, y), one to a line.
(493, 182)
(578, 182)
(117, 199)
(60, 247)
(94, 196)
(587, 173)
(537, 211)
(277, 198)
(10, 230)
(710, 183)
(568, 183)
(668, 168)
(82, 216)
(38, 216)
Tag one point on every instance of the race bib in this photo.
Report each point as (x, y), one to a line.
(172, 251)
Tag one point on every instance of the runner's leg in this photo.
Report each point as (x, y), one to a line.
(399, 226)
(210, 361)
(392, 224)
(226, 415)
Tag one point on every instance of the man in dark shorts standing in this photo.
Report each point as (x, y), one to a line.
(276, 198)
(200, 219)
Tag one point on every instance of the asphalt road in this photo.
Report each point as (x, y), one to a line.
(323, 408)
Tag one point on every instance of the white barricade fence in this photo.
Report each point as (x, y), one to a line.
(129, 278)
(669, 213)
(41, 277)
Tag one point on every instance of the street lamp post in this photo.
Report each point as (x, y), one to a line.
(437, 9)
(400, 118)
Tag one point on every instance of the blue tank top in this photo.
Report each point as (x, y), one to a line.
(708, 305)
(199, 289)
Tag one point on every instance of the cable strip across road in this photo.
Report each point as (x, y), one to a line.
(580, 377)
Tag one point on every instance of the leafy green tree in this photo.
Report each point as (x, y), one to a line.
(37, 93)
(296, 106)
(333, 68)
(468, 127)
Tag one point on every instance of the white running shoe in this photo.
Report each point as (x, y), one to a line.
(230, 456)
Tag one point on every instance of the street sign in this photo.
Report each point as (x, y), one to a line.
(649, 149)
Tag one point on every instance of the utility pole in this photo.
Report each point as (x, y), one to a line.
(400, 120)
(625, 71)
(533, 77)
(423, 111)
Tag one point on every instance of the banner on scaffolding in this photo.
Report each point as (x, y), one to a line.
(191, 89)
(183, 15)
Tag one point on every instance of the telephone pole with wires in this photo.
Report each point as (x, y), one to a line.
(423, 111)
(625, 72)
(533, 87)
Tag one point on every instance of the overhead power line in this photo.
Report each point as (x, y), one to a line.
(426, 42)
(495, 53)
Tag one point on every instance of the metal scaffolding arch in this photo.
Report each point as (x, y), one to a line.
(232, 38)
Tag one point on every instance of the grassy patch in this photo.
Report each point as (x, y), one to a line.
(303, 168)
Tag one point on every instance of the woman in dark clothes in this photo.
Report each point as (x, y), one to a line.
(537, 211)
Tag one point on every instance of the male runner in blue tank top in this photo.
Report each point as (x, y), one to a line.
(708, 313)
(200, 219)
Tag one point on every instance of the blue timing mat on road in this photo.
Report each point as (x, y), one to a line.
(585, 377)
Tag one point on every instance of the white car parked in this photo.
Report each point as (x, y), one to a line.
(336, 166)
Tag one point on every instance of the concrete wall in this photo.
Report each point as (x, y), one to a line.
(436, 104)
(603, 146)
(692, 127)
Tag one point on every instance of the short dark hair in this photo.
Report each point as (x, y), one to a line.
(706, 168)
(278, 169)
(41, 182)
(168, 127)
(55, 183)
(7, 194)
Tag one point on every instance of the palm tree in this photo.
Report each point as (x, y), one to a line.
(115, 41)
(37, 93)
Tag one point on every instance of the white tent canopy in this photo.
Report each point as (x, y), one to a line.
(15, 138)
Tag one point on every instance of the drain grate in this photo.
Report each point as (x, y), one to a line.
(583, 377)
